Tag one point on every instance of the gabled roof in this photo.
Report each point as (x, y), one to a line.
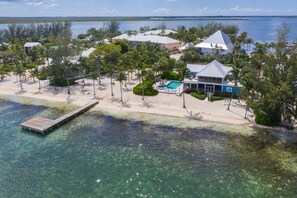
(217, 40)
(213, 69)
(195, 68)
(146, 38)
(32, 44)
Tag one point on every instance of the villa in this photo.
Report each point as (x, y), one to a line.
(218, 43)
(29, 45)
(210, 78)
(136, 39)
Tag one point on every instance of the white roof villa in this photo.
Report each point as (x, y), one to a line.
(210, 77)
(160, 32)
(164, 41)
(32, 44)
(87, 52)
(217, 41)
(29, 45)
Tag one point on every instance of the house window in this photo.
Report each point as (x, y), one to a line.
(229, 89)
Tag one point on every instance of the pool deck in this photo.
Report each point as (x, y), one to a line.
(162, 87)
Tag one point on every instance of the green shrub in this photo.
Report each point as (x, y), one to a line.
(198, 96)
(268, 116)
(225, 95)
(148, 89)
(42, 77)
(200, 91)
(61, 82)
(170, 75)
(216, 98)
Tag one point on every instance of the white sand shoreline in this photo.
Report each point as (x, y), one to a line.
(169, 105)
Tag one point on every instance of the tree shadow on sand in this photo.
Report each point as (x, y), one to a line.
(146, 104)
(20, 92)
(191, 116)
(125, 105)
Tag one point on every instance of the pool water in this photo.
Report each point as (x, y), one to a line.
(172, 85)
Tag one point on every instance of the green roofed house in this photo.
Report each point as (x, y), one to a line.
(210, 78)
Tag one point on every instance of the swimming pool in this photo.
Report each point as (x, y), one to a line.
(172, 85)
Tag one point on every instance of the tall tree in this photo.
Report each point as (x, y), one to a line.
(235, 75)
(121, 77)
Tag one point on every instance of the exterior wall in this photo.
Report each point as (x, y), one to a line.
(172, 46)
(210, 51)
(229, 89)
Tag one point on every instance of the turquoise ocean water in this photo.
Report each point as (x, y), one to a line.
(96, 155)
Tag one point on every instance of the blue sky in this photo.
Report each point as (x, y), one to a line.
(147, 7)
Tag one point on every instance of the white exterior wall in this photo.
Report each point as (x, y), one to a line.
(210, 51)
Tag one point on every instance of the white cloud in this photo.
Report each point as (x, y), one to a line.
(32, 3)
(108, 11)
(161, 10)
(237, 10)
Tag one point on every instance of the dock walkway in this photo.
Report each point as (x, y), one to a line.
(43, 125)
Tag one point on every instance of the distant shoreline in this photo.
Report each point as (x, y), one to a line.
(24, 20)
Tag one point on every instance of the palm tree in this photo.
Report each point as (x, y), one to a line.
(184, 72)
(121, 77)
(111, 60)
(4, 71)
(68, 66)
(19, 71)
(235, 75)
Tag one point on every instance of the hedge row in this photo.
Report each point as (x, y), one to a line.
(61, 82)
(198, 96)
(216, 98)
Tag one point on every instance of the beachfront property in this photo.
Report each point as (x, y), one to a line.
(218, 43)
(136, 39)
(29, 45)
(210, 78)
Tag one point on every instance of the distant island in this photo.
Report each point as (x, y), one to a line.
(9, 20)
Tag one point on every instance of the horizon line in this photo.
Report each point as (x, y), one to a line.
(151, 16)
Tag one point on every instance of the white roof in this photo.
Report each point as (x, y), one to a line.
(146, 38)
(32, 44)
(195, 67)
(87, 52)
(159, 32)
(187, 46)
(213, 69)
(217, 40)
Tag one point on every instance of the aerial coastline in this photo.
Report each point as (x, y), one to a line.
(164, 104)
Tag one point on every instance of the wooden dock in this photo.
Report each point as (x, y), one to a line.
(43, 125)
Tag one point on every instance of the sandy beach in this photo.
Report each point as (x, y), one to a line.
(163, 104)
